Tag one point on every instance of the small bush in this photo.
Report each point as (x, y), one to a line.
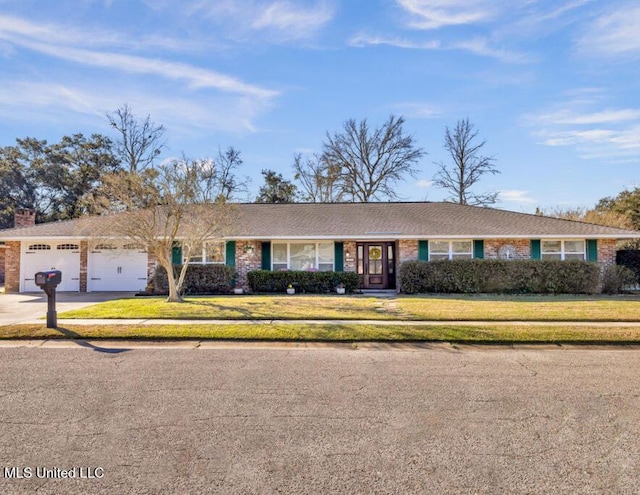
(631, 259)
(615, 278)
(309, 282)
(200, 279)
(500, 276)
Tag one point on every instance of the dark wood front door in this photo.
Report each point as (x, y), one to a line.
(376, 265)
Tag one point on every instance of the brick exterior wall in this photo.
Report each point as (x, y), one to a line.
(350, 256)
(24, 217)
(607, 251)
(407, 251)
(2, 267)
(12, 263)
(492, 246)
(84, 254)
(247, 260)
(152, 262)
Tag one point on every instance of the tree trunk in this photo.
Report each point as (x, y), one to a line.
(174, 294)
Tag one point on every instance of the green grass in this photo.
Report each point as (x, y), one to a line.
(336, 333)
(439, 308)
(521, 308)
(239, 307)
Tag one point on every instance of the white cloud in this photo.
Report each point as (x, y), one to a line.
(194, 96)
(417, 110)
(516, 196)
(607, 116)
(477, 46)
(56, 41)
(73, 102)
(362, 40)
(613, 34)
(279, 21)
(424, 183)
(434, 14)
(594, 130)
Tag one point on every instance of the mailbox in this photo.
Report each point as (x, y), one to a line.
(48, 279)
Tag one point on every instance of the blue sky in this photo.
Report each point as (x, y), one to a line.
(552, 86)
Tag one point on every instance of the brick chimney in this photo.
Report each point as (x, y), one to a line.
(24, 217)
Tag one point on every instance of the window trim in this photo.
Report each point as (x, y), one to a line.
(450, 254)
(204, 255)
(316, 243)
(563, 252)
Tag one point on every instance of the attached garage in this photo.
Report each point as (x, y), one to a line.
(117, 267)
(40, 256)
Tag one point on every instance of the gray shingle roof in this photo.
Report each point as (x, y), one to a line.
(367, 220)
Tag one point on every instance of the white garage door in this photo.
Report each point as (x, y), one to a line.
(117, 268)
(47, 255)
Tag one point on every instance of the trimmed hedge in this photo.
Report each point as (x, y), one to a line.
(631, 259)
(200, 279)
(615, 278)
(310, 282)
(500, 276)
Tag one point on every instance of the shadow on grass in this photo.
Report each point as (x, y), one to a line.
(70, 334)
(219, 307)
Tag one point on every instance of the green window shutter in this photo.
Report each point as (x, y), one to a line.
(176, 254)
(339, 256)
(266, 256)
(478, 249)
(592, 250)
(231, 253)
(535, 249)
(423, 250)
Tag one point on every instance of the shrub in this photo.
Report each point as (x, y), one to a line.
(200, 279)
(631, 259)
(615, 278)
(500, 276)
(310, 282)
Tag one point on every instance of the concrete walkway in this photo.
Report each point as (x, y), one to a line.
(401, 323)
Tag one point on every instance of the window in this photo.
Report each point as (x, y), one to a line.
(563, 250)
(39, 247)
(302, 256)
(207, 253)
(450, 250)
(67, 247)
(279, 254)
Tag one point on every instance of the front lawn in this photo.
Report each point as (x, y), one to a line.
(439, 308)
(337, 333)
(297, 307)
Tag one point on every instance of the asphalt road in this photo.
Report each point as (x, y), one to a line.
(378, 419)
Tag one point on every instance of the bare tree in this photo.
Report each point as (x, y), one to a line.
(139, 142)
(162, 208)
(320, 181)
(220, 179)
(372, 162)
(467, 168)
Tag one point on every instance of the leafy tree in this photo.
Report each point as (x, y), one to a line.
(320, 181)
(626, 203)
(161, 207)
(467, 168)
(139, 141)
(371, 162)
(276, 189)
(581, 214)
(59, 181)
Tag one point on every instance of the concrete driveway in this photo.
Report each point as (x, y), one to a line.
(20, 308)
